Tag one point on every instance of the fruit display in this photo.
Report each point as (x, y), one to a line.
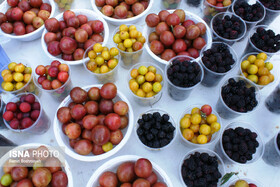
(122, 9)
(243, 183)
(173, 34)
(71, 35)
(16, 76)
(131, 173)
(24, 17)
(102, 59)
(255, 68)
(46, 170)
(238, 96)
(54, 76)
(64, 4)
(170, 4)
(145, 81)
(201, 169)
(200, 125)
(240, 144)
(155, 129)
(266, 40)
(271, 4)
(93, 122)
(254, 12)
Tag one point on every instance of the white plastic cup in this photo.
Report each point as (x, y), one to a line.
(271, 154)
(227, 113)
(248, 180)
(212, 78)
(215, 137)
(270, 15)
(40, 126)
(147, 101)
(259, 150)
(217, 37)
(272, 102)
(176, 92)
(151, 111)
(166, 4)
(221, 166)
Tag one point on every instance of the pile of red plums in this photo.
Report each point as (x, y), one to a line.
(71, 36)
(24, 16)
(173, 35)
(93, 121)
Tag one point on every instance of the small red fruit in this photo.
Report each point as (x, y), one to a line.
(207, 109)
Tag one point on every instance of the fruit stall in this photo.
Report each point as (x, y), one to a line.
(188, 96)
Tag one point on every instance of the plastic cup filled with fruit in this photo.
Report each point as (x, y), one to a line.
(213, 7)
(103, 62)
(167, 4)
(237, 96)
(217, 60)
(130, 42)
(146, 82)
(272, 102)
(272, 150)
(93, 122)
(175, 32)
(228, 28)
(34, 168)
(54, 79)
(257, 68)
(17, 78)
(24, 113)
(244, 182)
(272, 9)
(240, 144)
(252, 12)
(130, 170)
(183, 74)
(63, 5)
(189, 166)
(155, 129)
(263, 38)
(200, 126)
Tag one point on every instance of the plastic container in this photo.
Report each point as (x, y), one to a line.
(251, 47)
(221, 166)
(151, 111)
(270, 16)
(63, 5)
(147, 30)
(193, 3)
(63, 140)
(271, 154)
(272, 102)
(273, 71)
(40, 126)
(147, 101)
(215, 137)
(249, 24)
(129, 59)
(209, 11)
(31, 36)
(248, 180)
(176, 92)
(113, 164)
(227, 113)
(259, 150)
(23, 147)
(212, 78)
(126, 21)
(110, 76)
(166, 4)
(217, 37)
(91, 15)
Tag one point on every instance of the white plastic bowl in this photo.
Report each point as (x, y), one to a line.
(207, 36)
(63, 140)
(31, 36)
(91, 16)
(113, 164)
(248, 180)
(34, 145)
(126, 21)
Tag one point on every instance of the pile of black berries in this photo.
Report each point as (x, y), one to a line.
(249, 12)
(184, 73)
(266, 40)
(238, 97)
(201, 169)
(218, 58)
(271, 4)
(155, 130)
(228, 27)
(278, 141)
(240, 144)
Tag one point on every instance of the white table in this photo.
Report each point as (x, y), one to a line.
(262, 119)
